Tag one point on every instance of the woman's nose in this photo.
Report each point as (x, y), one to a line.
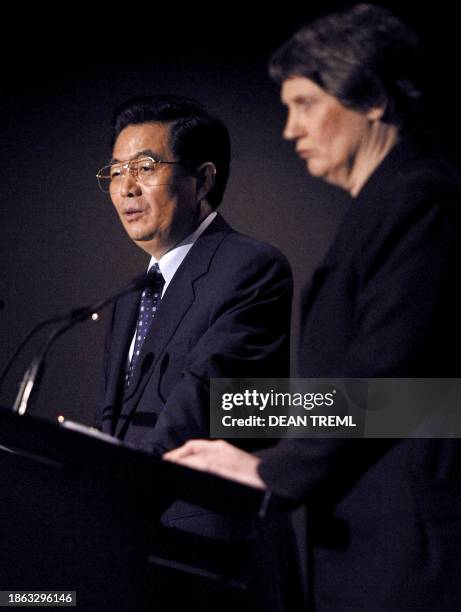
(293, 129)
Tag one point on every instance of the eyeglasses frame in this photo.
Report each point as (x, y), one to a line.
(134, 172)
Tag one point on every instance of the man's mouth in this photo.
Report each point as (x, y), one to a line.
(132, 213)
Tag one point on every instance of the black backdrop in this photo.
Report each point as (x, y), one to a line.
(62, 76)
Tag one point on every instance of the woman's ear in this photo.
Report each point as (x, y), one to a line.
(206, 176)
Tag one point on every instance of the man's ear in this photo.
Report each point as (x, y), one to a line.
(376, 113)
(206, 176)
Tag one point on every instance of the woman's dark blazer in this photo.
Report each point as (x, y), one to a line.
(385, 515)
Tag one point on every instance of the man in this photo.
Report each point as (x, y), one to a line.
(385, 528)
(223, 304)
(220, 307)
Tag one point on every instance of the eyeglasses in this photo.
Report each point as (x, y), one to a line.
(143, 170)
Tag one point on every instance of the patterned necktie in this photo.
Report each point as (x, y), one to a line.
(147, 308)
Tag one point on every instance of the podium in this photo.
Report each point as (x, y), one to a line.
(81, 513)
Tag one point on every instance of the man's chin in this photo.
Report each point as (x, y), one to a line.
(143, 238)
(140, 236)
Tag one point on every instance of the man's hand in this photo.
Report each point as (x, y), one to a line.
(220, 458)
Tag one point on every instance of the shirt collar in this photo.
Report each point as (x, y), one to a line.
(172, 259)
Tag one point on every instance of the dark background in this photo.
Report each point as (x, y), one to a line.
(63, 74)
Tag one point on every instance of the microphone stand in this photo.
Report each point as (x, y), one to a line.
(32, 374)
(34, 330)
(31, 377)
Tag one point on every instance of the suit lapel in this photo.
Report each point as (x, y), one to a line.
(176, 301)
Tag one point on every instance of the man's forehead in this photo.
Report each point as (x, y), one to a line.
(136, 140)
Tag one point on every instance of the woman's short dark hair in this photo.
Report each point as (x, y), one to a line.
(363, 55)
(195, 135)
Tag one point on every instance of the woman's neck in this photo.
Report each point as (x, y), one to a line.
(382, 137)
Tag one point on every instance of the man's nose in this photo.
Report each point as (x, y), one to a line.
(129, 187)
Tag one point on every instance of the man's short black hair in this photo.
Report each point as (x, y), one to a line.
(195, 135)
(363, 55)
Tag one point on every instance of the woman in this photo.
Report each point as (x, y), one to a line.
(385, 515)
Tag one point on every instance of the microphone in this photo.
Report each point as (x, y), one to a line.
(32, 374)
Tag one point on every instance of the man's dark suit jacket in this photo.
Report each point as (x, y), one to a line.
(385, 515)
(225, 313)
